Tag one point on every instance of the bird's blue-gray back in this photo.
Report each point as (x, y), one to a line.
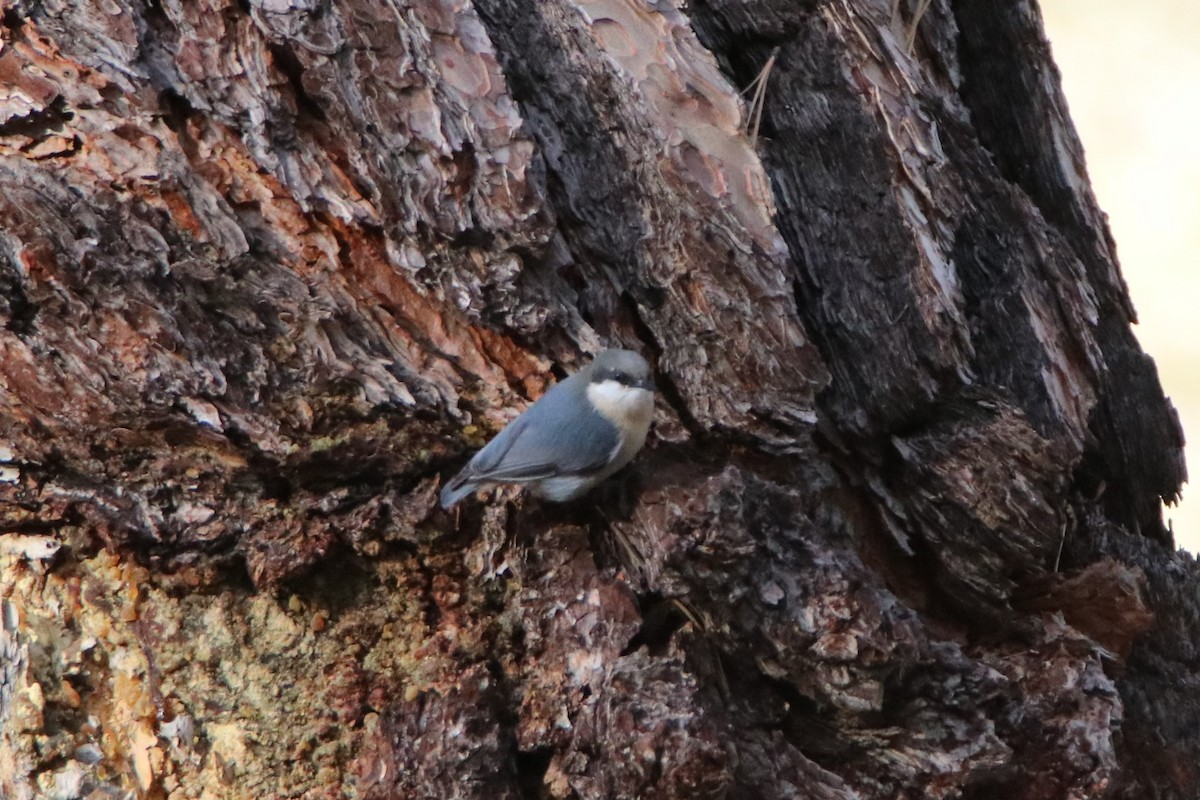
(536, 445)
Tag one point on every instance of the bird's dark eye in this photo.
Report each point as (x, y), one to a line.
(622, 378)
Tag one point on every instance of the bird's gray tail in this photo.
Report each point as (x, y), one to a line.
(459, 487)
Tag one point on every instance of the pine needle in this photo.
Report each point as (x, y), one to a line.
(922, 7)
(758, 99)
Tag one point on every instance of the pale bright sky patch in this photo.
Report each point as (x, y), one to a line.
(1131, 73)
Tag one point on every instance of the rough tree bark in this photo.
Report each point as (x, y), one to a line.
(269, 268)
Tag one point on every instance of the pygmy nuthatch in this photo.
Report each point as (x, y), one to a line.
(580, 432)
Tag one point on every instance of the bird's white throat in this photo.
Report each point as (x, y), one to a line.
(629, 407)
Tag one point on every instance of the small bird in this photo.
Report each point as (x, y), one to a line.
(580, 432)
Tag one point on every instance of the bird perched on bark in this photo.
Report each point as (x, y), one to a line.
(580, 432)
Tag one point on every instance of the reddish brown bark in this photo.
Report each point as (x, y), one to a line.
(268, 270)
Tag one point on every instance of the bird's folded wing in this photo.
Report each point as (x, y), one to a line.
(535, 447)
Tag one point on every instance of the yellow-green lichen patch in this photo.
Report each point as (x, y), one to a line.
(228, 693)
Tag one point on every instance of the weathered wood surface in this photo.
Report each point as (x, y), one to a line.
(270, 268)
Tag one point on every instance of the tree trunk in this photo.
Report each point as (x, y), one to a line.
(271, 270)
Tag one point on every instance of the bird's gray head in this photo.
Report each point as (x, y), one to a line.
(620, 388)
(624, 367)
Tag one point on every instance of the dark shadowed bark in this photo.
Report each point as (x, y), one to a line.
(269, 270)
